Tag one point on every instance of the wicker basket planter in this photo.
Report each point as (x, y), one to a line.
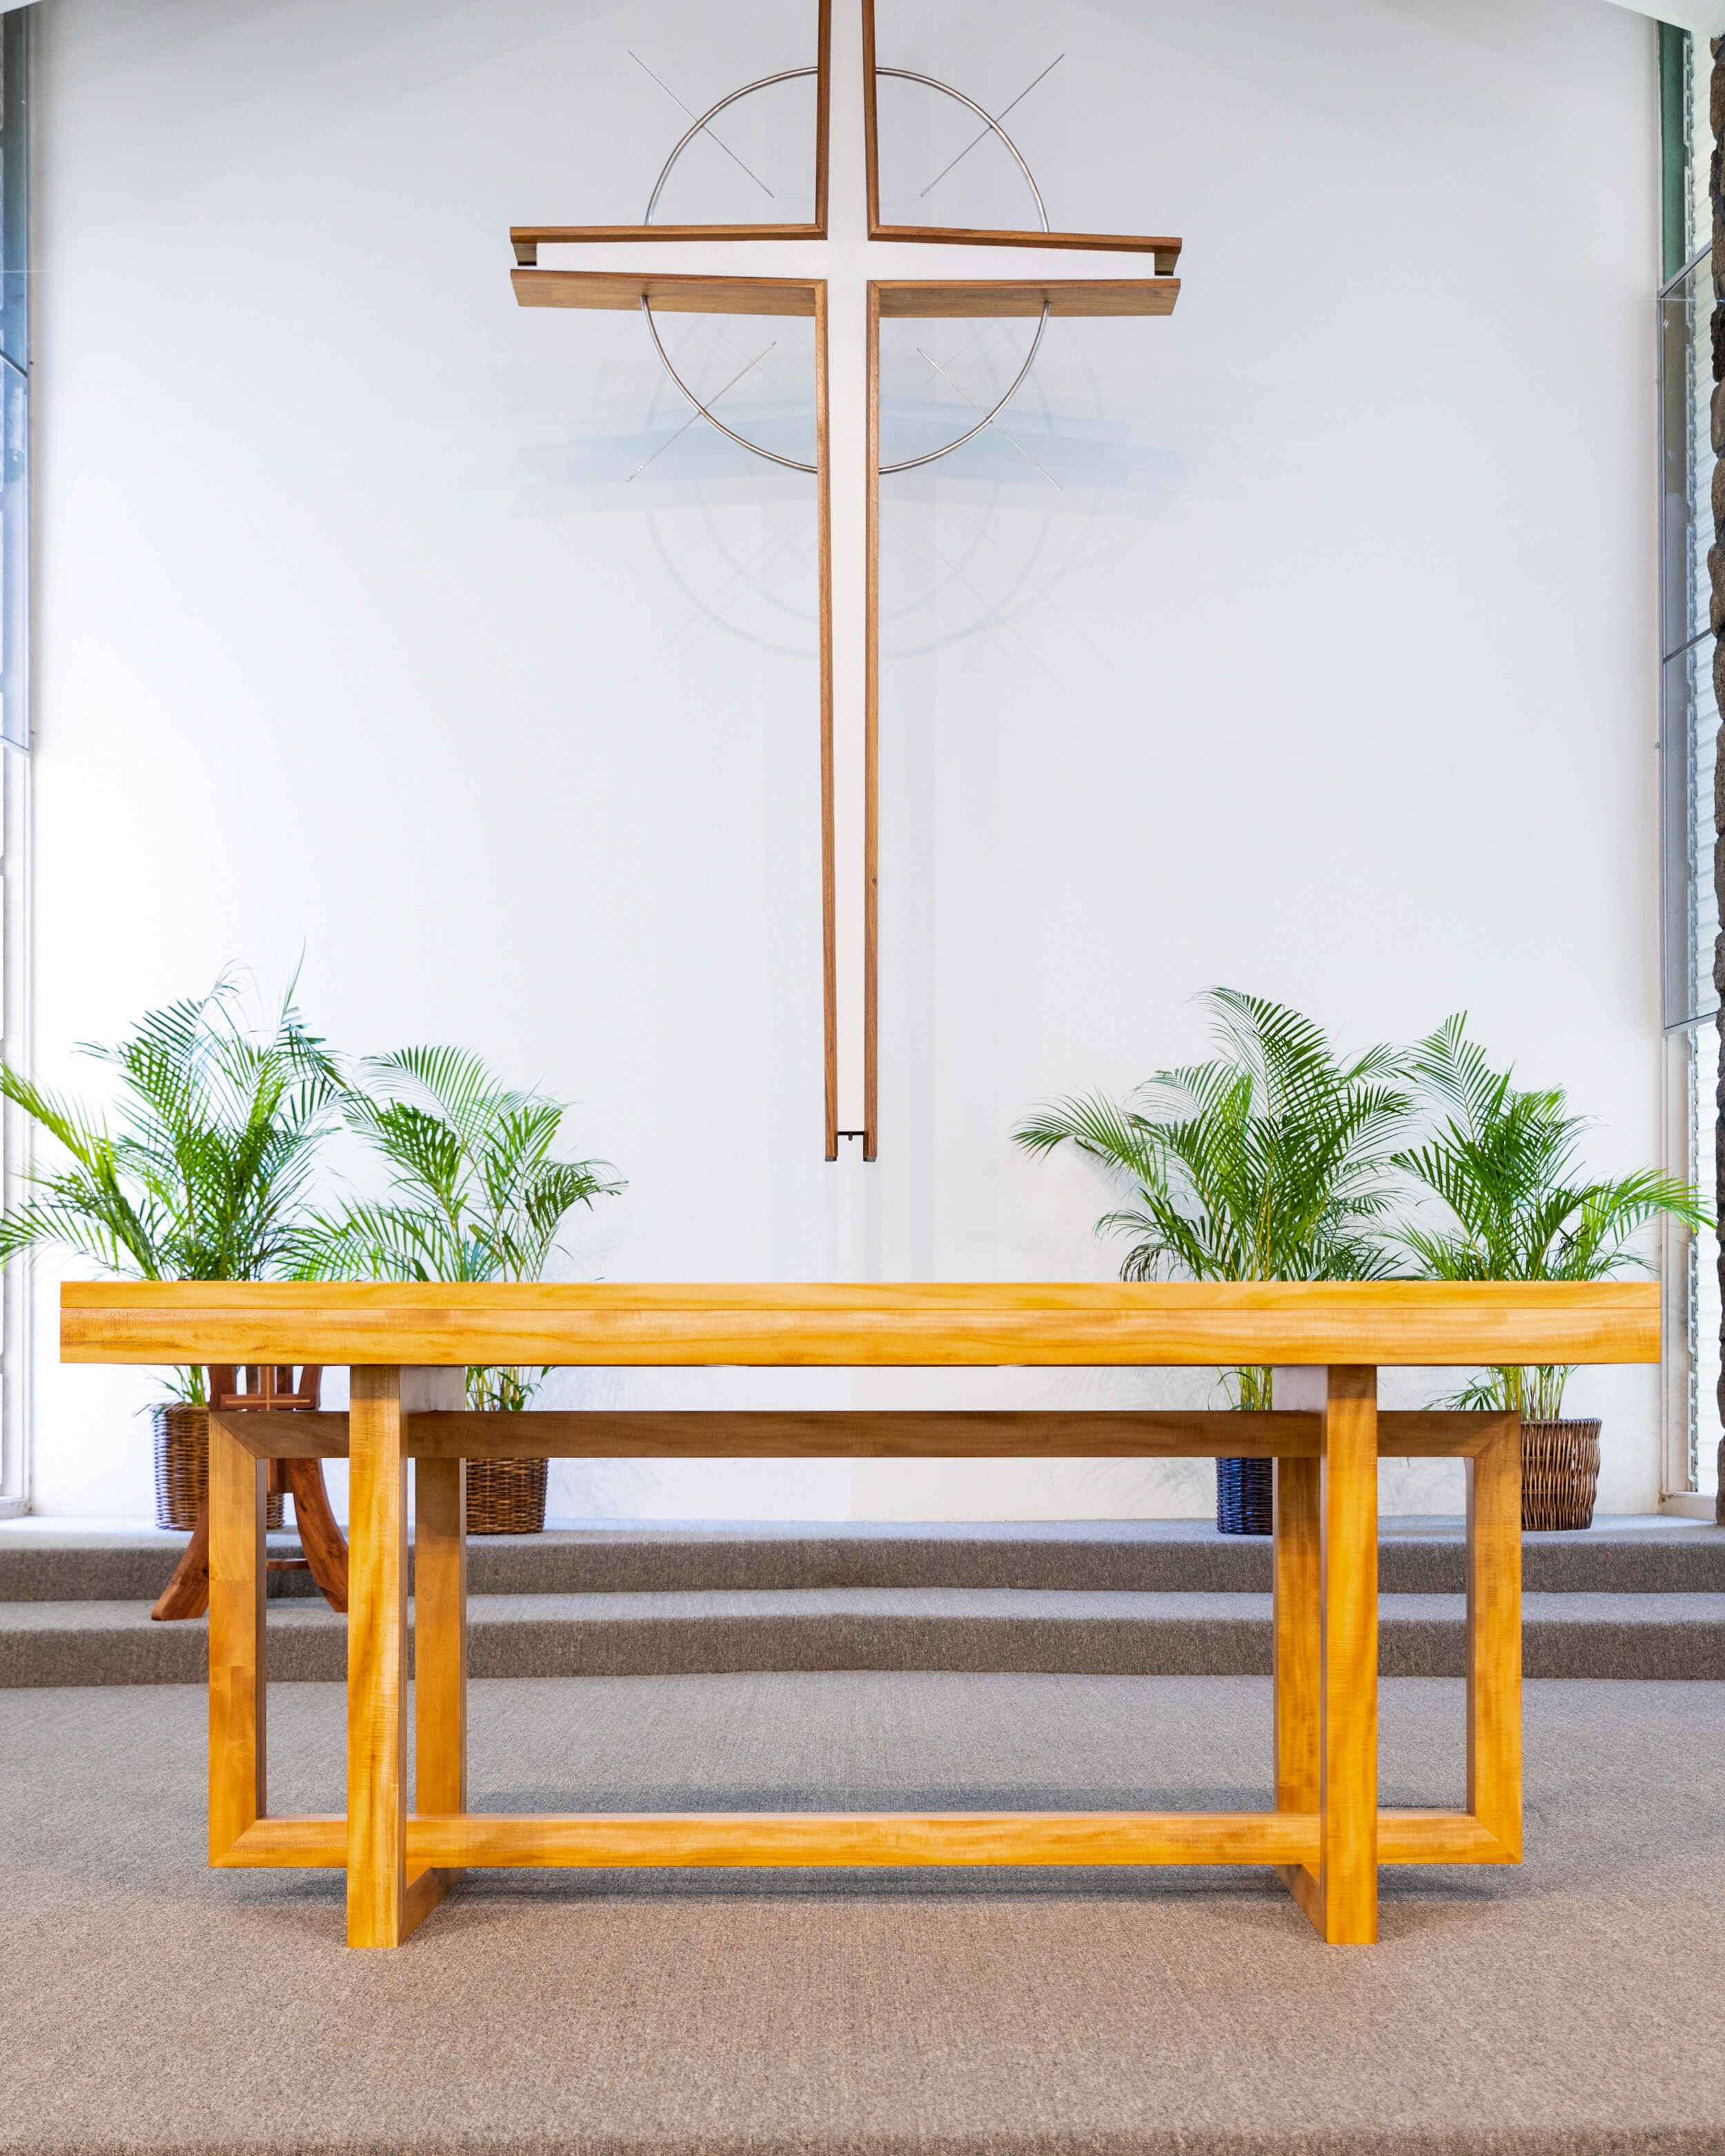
(1246, 1497)
(505, 1496)
(182, 1468)
(1560, 1475)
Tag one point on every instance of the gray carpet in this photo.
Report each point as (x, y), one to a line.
(1573, 2005)
(973, 1629)
(1417, 1555)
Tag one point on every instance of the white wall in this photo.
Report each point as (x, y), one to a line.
(1330, 672)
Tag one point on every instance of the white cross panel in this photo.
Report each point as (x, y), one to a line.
(847, 270)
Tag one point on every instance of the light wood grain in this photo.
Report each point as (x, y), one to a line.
(527, 239)
(238, 1770)
(802, 1838)
(303, 1841)
(948, 300)
(863, 1838)
(624, 290)
(1297, 1616)
(871, 122)
(871, 1432)
(1166, 249)
(1179, 1323)
(823, 114)
(441, 1628)
(1438, 1837)
(1348, 1861)
(1404, 1837)
(427, 1886)
(1494, 1636)
(186, 1593)
(323, 1542)
(376, 1661)
(1297, 1629)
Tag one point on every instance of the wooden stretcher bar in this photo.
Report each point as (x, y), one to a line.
(862, 1839)
(652, 1434)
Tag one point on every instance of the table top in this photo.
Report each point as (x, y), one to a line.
(652, 1324)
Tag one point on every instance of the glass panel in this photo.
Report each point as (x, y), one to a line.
(1685, 221)
(14, 383)
(1704, 1298)
(14, 557)
(1686, 374)
(14, 190)
(1689, 728)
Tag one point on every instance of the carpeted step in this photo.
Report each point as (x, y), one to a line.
(962, 1630)
(1141, 1557)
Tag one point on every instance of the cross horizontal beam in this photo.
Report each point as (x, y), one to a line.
(953, 300)
(527, 239)
(900, 1434)
(1166, 251)
(901, 299)
(625, 290)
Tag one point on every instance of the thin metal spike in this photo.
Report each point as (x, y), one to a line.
(708, 132)
(694, 416)
(994, 423)
(986, 132)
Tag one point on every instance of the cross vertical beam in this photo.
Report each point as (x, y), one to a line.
(871, 750)
(828, 833)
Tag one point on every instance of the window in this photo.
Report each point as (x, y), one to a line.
(1689, 728)
(14, 706)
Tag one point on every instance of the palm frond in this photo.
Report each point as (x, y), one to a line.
(1504, 1163)
(475, 1191)
(1268, 1161)
(212, 1140)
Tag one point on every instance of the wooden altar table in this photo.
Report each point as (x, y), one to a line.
(406, 1346)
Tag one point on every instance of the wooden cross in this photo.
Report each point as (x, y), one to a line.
(853, 282)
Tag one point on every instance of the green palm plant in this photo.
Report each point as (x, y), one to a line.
(203, 1173)
(475, 1194)
(1270, 1162)
(1505, 1164)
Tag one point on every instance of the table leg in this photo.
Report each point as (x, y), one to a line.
(1347, 1834)
(439, 1660)
(376, 1660)
(321, 1540)
(234, 1510)
(187, 1594)
(440, 1636)
(1494, 1636)
(1298, 1633)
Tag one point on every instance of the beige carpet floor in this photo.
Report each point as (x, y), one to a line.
(1577, 2004)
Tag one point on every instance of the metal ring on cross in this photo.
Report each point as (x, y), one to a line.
(794, 464)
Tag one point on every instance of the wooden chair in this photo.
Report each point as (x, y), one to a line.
(267, 1390)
